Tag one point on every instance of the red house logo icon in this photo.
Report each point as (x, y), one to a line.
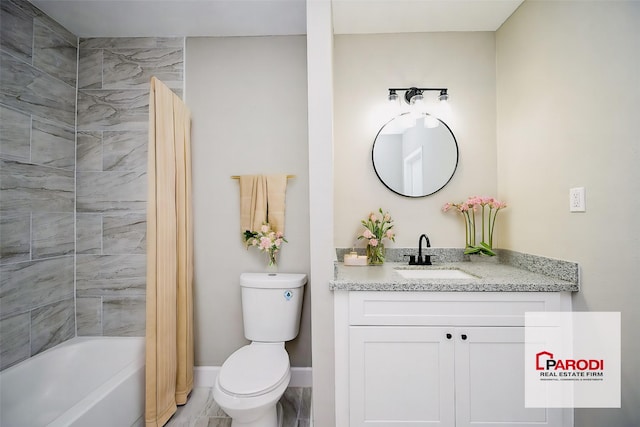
(539, 356)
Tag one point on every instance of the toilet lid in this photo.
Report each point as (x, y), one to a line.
(254, 369)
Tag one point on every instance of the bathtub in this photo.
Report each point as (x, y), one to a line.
(86, 381)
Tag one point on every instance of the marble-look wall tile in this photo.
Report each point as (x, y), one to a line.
(133, 68)
(89, 316)
(89, 233)
(16, 28)
(111, 191)
(15, 134)
(25, 187)
(131, 42)
(53, 145)
(60, 31)
(90, 69)
(113, 109)
(14, 339)
(104, 275)
(89, 151)
(26, 285)
(123, 317)
(52, 234)
(52, 324)
(53, 54)
(125, 150)
(15, 232)
(124, 234)
(33, 91)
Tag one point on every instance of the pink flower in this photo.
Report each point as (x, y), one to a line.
(389, 234)
(387, 217)
(446, 207)
(367, 234)
(373, 217)
(265, 242)
(277, 242)
(487, 200)
(264, 228)
(279, 235)
(373, 242)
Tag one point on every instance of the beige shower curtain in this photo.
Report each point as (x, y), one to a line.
(169, 336)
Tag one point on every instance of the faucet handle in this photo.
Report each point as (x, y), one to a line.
(412, 259)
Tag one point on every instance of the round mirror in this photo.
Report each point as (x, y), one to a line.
(415, 156)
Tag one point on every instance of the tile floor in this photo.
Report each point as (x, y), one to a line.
(202, 411)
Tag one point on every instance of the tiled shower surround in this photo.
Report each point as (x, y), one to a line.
(73, 190)
(111, 179)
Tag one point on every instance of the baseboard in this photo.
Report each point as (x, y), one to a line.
(205, 376)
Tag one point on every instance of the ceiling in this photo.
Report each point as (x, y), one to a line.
(160, 18)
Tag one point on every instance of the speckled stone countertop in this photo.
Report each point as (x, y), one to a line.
(525, 276)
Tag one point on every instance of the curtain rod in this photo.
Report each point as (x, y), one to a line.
(238, 176)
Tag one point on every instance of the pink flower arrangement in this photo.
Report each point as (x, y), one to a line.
(266, 240)
(377, 228)
(489, 208)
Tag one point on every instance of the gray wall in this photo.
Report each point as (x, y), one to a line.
(37, 190)
(113, 109)
(568, 102)
(249, 105)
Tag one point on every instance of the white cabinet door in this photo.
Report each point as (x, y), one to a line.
(490, 380)
(401, 376)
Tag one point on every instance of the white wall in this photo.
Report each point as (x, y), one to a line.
(248, 99)
(320, 94)
(568, 100)
(365, 67)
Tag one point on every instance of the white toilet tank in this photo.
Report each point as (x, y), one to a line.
(271, 305)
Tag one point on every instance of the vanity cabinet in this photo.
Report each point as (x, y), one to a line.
(437, 359)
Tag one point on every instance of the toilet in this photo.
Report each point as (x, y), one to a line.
(253, 379)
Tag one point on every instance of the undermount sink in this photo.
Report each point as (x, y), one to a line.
(434, 274)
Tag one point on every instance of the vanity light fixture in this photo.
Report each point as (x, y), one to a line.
(415, 94)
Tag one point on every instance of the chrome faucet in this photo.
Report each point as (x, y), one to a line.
(426, 260)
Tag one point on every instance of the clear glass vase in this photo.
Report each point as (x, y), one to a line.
(375, 254)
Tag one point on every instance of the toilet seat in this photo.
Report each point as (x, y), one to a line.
(254, 370)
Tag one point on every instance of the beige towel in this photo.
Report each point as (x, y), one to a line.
(253, 202)
(276, 189)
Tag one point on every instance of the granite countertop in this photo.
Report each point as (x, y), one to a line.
(487, 277)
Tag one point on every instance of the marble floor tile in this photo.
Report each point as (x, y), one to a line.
(89, 233)
(124, 234)
(89, 316)
(90, 69)
(202, 411)
(125, 150)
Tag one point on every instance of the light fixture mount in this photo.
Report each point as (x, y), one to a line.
(410, 92)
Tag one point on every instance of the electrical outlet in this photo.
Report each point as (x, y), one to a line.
(577, 202)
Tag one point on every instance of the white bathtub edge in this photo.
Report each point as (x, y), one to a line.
(205, 376)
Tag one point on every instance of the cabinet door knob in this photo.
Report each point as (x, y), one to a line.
(449, 336)
(463, 336)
